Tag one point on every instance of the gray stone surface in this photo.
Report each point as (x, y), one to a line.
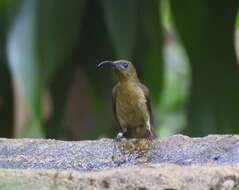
(177, 162)
(103, 154)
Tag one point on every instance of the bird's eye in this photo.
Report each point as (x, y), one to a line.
(125, 65)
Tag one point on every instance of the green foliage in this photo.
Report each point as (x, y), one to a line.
(122, 25)
(25, 64)
(35, 50)
(52, 48)
(208, 38)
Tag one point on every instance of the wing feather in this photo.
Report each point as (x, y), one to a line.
(146, 94)
(114, 97)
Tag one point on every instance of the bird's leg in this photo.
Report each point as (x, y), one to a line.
(151, 133)
(119, 136)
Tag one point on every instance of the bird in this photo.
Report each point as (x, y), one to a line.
(131, 103)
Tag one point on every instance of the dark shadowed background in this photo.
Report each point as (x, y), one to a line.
(184, 51)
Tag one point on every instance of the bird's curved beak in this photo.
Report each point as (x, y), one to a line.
(106, 62)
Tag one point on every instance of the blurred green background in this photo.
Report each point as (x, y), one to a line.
(184, 51)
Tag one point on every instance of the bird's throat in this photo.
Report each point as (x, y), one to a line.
(124, 79)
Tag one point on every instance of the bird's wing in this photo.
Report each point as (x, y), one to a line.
(146, 94)
(114, 94)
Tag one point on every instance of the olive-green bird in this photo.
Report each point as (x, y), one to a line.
(131, 104)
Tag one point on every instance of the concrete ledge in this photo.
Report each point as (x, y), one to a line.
(147, 177)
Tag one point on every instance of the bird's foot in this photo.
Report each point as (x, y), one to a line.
(151, 135)
(119, 137)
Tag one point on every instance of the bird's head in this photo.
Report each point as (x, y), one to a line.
(124, 69)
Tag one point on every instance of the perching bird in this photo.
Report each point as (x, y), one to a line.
(131, 104)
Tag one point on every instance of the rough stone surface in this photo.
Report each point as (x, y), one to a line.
(177, 162)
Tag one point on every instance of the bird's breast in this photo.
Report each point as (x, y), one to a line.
(131, 104)
(130, 94)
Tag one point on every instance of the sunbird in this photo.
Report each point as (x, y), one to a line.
(131, 104)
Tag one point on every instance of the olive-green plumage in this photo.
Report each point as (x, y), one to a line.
(131, 101)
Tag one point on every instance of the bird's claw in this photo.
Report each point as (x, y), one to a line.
(119, 137)
(151, 136)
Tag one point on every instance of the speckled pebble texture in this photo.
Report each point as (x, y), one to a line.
(105, 153)
(177, 162)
